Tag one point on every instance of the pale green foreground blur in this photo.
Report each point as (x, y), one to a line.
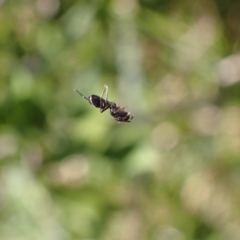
(69, 172)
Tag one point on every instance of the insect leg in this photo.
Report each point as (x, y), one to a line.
(120, 109)
(105, 89)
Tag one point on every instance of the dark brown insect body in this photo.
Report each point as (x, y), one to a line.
(116, 112)
(120, 115)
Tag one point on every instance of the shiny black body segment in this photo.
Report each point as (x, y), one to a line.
(116, 112)
(120, 115)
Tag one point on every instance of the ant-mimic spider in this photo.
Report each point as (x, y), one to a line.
(116, 112)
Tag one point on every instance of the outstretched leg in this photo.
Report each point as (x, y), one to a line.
(120, 109)
(105, 89)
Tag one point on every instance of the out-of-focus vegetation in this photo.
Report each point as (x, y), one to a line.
(69, 172)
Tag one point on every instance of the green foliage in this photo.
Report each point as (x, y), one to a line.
(69, 172)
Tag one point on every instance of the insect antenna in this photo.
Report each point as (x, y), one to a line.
(81, 94)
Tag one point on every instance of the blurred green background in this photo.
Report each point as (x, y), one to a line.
(69, 172)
